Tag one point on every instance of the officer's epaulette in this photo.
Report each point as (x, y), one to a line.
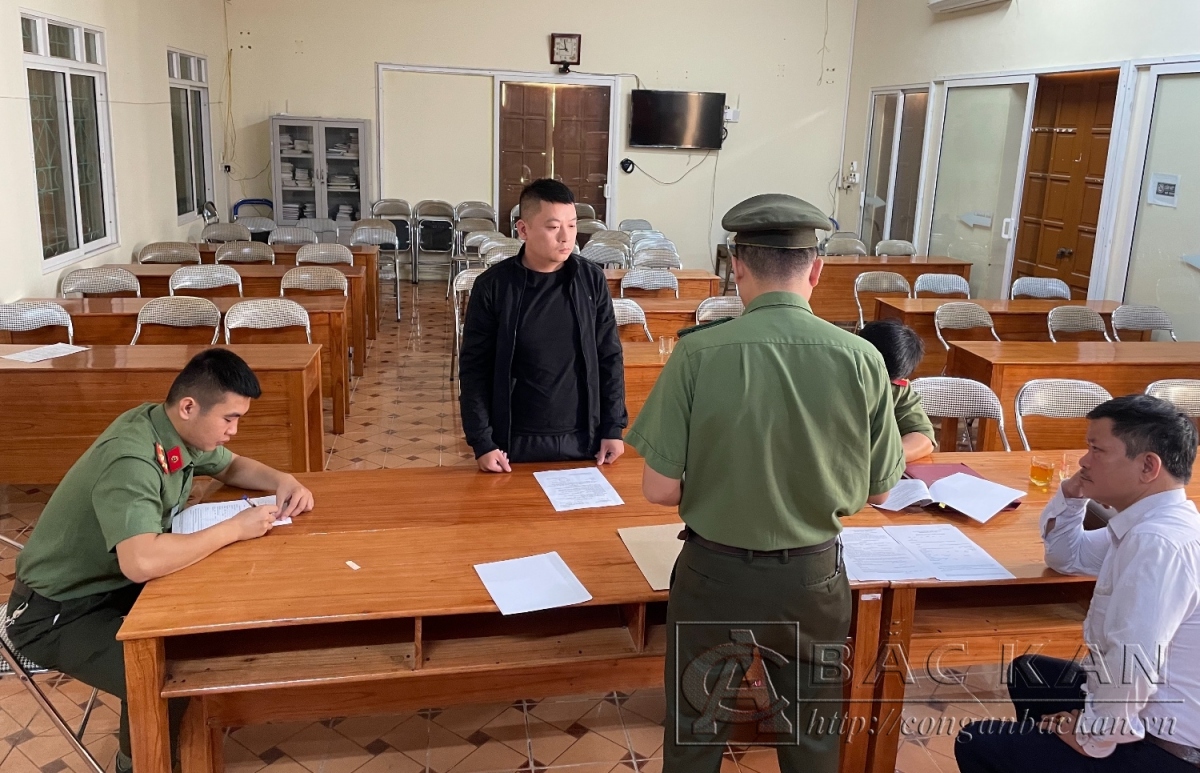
(705, 326)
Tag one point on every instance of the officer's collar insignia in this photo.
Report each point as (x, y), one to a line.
(160, 456)
(174, 459)
(900, 382)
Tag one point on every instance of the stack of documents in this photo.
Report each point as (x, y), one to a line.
(933, 552)
(199, 517)
(45, 352)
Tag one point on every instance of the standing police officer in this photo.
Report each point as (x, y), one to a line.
(764, 430)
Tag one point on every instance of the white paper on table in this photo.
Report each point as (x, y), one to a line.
(578, 488)
(954, 555)
(909, 491)
(528, 584)
(199, 517)
(40, 353)
(654, 550)
(976, 498)
(870, 553)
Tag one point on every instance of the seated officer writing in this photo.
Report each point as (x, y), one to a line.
(1134, 703)
(104, 531)
(902, 350)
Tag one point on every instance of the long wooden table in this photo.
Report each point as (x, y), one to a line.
(664, 316)
(412, 626)
(1121, 368)
(833, 297)
(693, 283)
(53, 410)
(365, 255)
(113, 321)
(1023, 319)
(262, 281)
(643, 363)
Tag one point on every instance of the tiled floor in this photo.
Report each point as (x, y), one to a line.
(404, 413)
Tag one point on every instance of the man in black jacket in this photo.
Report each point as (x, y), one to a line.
(541, 372)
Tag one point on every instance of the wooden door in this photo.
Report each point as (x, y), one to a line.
(525, 132)
(1064, 179)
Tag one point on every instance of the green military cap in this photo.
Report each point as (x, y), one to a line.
(776, 220)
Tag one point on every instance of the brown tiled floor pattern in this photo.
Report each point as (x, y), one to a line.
(404, 413)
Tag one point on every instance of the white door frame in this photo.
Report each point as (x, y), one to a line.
(899, 91)
(516, 76)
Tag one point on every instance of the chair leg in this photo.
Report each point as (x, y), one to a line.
(396, 260)
(87, 714)
(55, 718)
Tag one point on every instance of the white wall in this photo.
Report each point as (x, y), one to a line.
(315, 58)
(138, 33)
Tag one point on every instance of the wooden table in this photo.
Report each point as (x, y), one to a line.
(833, 297)
(693, 283)
(665, 316)
(643, 363)
(113, 321)
(365, 255)
(262, 281)
(53, 410)
(1121, 368)
(1023, 319)
(413, 626)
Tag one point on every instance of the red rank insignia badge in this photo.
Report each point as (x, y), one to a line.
(900, 382)
(160, 456)
(174, 460)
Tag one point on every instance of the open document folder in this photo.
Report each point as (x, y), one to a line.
(974, 497)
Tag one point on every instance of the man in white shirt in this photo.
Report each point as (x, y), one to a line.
(1133, 703)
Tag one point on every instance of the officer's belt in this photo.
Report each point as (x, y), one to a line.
(21, 589)
(688, 535)
(1189, 754)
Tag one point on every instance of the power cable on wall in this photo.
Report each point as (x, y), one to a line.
(628, 165)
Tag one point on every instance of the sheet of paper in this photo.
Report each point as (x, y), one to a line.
(870, 553)
(45, 353)
(908, 491)
(975, 498)
(577, 489)
(953, 555)
(528, 584)
(654, 550)
(199, 517)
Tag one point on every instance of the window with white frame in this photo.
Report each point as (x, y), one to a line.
(190, 138)
(72, 152)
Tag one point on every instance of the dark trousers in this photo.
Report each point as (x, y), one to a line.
(1040, 686)
(568, 447)
(743, 634)
(79, 638)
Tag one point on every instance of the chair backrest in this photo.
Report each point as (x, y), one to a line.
(635, 224)
(494, 253)
(653, 243)
(639, 234)
(628, 312)
(464, 282)
(245, 252)
(23, 316)
(895, 247)
(475, 210)
(590, 225)
(314, 279)
(375, 234)
(603, 254)
(649, 279)
(179, 311)
(204, 278)
(374, 222)
(1040, 287)
(1075, 319)
(475, 238)
(102, 280)
(1057, 398)
(257, 225)
(878, 282)
(475, 225)
(611, 237)
(946, 397)
(583, 211)
(433, 209)
(843, 246)
(215, 233)
(1184, 393)
(319, 225)
(170, 252)
(1137, 316)
(266, 314)
(293, 235)
(961, 315)
(325, 253)
(720, 307)
(395, 209)
(656, 257)
(941, 284)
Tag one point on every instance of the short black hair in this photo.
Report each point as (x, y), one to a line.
(547, 190)
(212, 374)
(900, 345)
(774, 263)
(1148, 424)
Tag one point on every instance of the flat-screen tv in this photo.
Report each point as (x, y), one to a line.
(677, 119)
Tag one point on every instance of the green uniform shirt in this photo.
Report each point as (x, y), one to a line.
(778, 423)
(115, 491)
(910, 416)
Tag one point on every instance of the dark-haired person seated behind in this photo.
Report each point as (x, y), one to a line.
(902, 350)
(104, 531)
(1136, 704)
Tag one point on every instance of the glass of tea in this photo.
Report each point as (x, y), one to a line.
(1043, 470)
